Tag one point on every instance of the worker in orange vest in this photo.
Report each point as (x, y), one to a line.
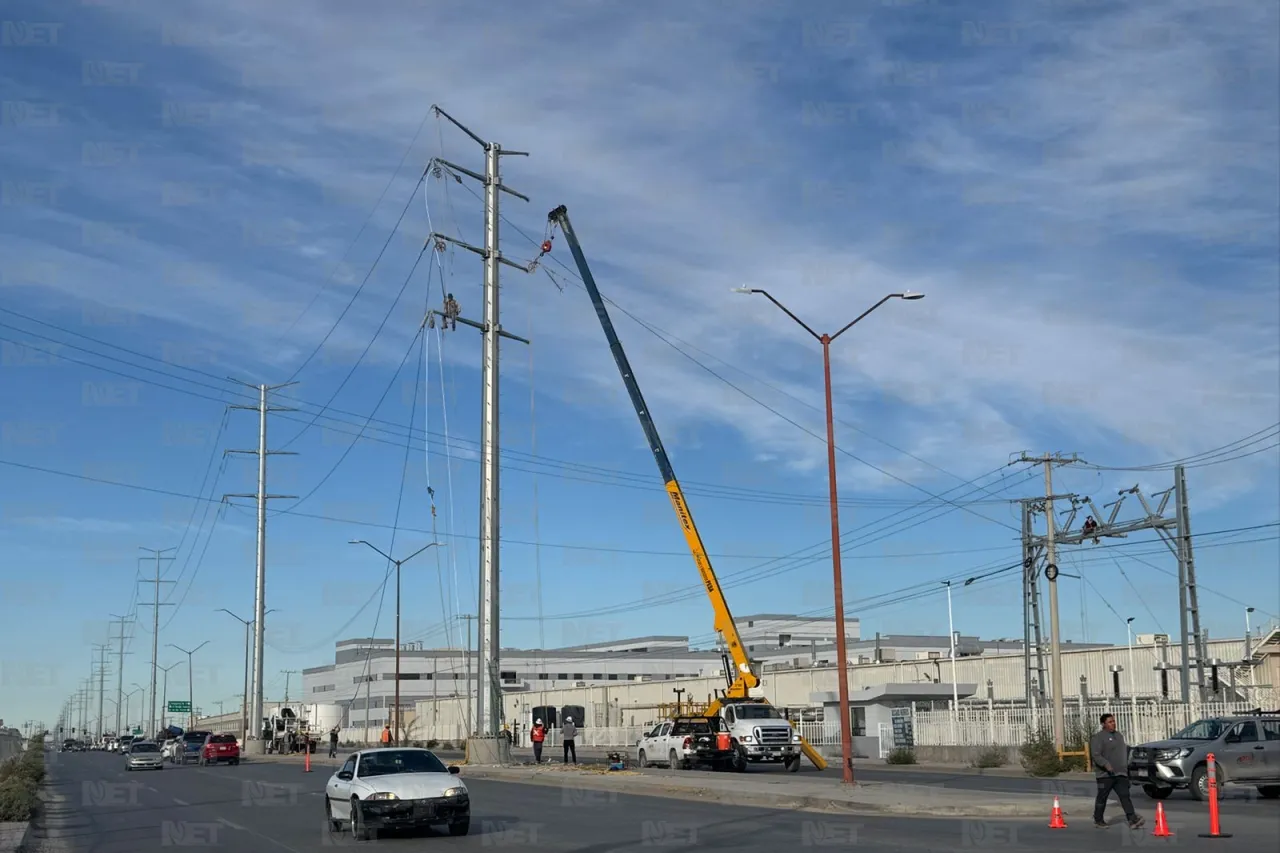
(386, 735)
(538, 734)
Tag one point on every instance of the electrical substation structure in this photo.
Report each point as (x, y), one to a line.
(1039, 559)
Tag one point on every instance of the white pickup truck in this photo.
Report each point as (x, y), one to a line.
(757, 734)
(669, 743)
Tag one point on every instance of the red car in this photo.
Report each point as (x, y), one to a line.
(220, 748)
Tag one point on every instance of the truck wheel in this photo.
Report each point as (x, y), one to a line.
(674, 760)
(793, 764)
(642, 759)
(1199, 787)
(1269, 792)
(1156, 792)
(739, 759)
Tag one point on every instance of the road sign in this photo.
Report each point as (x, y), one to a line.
(179, 707)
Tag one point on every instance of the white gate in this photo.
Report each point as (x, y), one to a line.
(886, 740)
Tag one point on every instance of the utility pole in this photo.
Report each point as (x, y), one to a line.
(191, 721)
(1051, 575)
(1190, 603)
(286, 673)
(255, 743)
(120, 653)
(489, 688)
(164, 695)
(101, 666)
(158, 554)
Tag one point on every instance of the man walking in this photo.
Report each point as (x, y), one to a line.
(1110, 756)
(333, 742)
(567, 733)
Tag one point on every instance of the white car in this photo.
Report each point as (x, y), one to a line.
(396, 788)
(170, 750)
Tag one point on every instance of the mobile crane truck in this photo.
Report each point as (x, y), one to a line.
(757, 732)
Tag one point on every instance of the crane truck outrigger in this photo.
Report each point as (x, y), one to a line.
(757, 731)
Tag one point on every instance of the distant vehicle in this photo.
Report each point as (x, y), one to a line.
(687, 742)
(123, 744)
(1246, 751)
(169, 750)
(192, 746)
(144, 755)
(220, 748)
(396, 788)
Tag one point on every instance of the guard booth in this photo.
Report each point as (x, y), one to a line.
(880, 715)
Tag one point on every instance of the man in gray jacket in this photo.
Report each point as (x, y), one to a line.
(1110, 756)
(567, 733)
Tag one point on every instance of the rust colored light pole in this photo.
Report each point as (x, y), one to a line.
(842, 655)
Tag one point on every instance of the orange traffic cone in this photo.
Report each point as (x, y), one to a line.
(1055, 819)
(307, 759)
(1162, 828)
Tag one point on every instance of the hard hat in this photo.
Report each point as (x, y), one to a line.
(568, 719)
(537, 722)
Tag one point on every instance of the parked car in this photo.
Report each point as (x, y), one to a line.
(192, 746)
(144, 755)
(684, 743)
(1246, 751)
(396, 788)
(220, 748)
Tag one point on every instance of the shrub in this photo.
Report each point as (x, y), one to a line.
(447, 744)
(1039, 755)
(17, 800)
(433, 743)
(901, 755)
(991, 756)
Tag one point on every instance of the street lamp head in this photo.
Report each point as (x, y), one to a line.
(969, 581)
(1129, 620)
(741, 290)
(355, 542)
(911, 297)
(1248, 610)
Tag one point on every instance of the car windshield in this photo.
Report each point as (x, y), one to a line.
(1201, 730)
(222, 739)
(144, 747)
(195, 737)
(400, 761)
(756, 712)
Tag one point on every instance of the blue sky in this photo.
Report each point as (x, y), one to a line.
(1086, 192)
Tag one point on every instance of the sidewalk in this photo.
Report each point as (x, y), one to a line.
(585, 785)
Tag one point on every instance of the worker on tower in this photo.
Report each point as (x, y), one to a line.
(451, 312)
(1090, 527)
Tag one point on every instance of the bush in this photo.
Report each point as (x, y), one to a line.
(17, 800)
(901, 755)
(991, 756)
(1039, 755)
(433, 743)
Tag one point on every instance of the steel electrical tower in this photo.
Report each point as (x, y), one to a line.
(488, 706)
(158, 555)
(256, 745)
(120, 653)
(101, 671)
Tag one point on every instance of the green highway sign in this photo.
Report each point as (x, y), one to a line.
(179, 707)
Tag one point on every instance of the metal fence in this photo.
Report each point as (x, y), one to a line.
(990, 725)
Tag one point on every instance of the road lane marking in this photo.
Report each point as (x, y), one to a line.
(181, 802)
(225, 822)
(256, 834)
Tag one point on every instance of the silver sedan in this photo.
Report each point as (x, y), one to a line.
(144, 755)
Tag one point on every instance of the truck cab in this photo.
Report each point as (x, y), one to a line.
(760, 734)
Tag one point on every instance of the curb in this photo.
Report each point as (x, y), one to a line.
(11, 839)
(811, 803)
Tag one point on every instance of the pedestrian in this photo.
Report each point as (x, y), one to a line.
(386, 734)
(1110, 756)
(567, 733)
(537, 736)
(333, 742)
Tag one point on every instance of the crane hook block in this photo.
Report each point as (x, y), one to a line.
(546, 246)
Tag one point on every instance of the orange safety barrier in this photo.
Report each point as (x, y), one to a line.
(1215, 828)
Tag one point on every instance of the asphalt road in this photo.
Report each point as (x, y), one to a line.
(268, 808)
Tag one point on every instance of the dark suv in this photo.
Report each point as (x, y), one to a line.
(192, 748)
(220, 748)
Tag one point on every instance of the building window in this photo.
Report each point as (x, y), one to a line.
(784, 639)
(934, 655)
(577, 676)
(595, 676)
(507, 676)
(562, 676)
(542, 676)
(613, 676)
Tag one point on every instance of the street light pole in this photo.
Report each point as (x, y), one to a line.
(398, 564)
(164, 696)
(248, 644)
(1133, 672)
(842, 654)
(191, 704)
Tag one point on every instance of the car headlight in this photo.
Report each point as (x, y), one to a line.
(456, 792)
(382, 795)
(1173, 754)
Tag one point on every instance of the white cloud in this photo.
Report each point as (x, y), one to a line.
(1079, 214)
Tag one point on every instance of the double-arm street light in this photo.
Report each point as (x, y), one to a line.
(248, 644)
(842, 657)
(398, 564)
(191, 705)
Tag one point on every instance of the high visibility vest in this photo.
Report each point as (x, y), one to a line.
(538, 735)
(386, 736)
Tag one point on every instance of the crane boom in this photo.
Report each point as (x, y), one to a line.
(744, 678)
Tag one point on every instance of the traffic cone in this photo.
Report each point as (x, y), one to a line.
(1055, 819)
(1162, 828)
(307, 760)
